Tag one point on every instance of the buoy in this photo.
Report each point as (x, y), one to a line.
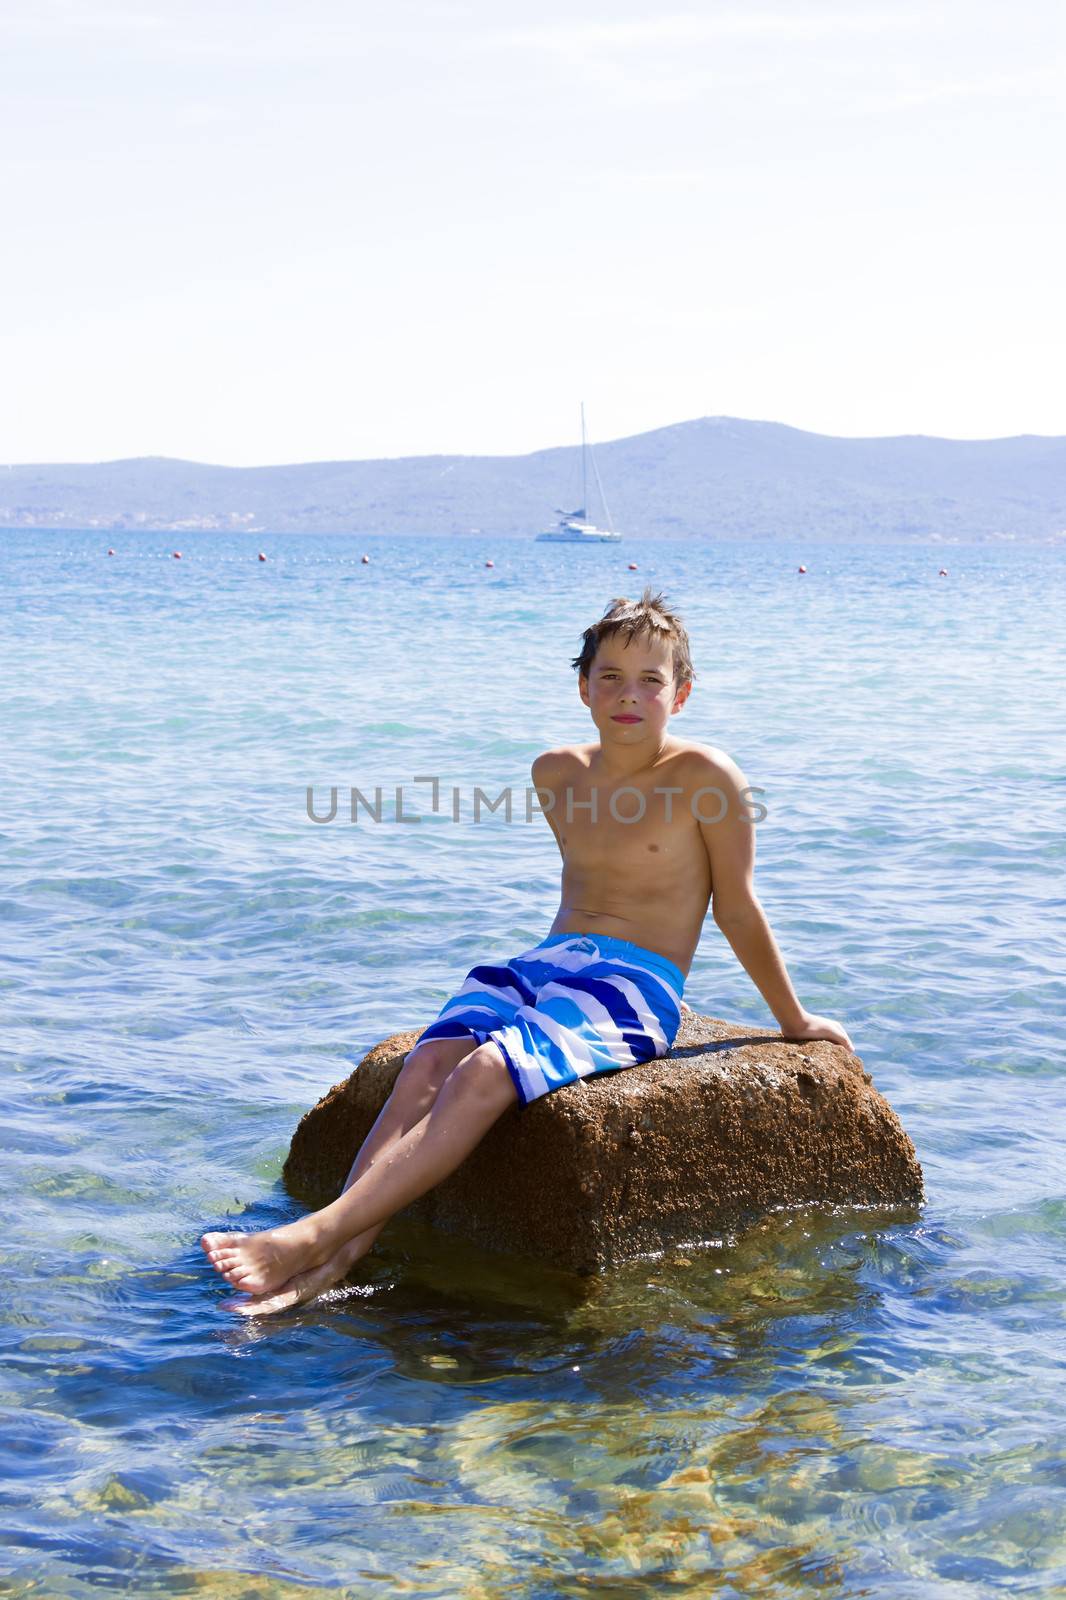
(110, 552)
(490, 563)
(177, 555)
(262, 557)
(943, 572)
(632, 566)
(801, 569)
(366, 561)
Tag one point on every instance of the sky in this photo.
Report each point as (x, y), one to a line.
(276, 231)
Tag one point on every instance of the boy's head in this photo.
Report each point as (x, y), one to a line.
(648, 618)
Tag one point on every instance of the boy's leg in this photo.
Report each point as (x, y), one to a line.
(424, 1073)
(426, 1068)
(474, 1095)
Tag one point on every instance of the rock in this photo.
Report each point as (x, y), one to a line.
(729, 1126)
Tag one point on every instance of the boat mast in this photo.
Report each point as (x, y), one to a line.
(584, 454)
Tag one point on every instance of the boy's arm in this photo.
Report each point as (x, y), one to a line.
(545, 773)
(730, 845)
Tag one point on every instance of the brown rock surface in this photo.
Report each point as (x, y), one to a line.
(729, 1126)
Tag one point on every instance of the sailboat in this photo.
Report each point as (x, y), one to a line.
(573, 527)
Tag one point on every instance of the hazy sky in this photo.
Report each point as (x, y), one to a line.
(280, 231)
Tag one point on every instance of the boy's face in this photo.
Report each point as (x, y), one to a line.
(630, 689)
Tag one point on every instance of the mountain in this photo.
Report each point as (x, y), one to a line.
(714, 477)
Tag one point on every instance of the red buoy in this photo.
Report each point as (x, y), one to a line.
(801, 569)
(490, 563)
(110, 552)
(366, 561)
(943, 572)
(262, 557)
(177, 555)
(632, 566)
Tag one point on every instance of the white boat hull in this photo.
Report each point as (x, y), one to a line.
(578, 533)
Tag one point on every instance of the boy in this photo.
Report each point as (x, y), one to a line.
(652, 830)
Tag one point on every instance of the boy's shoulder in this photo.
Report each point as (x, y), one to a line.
(704, 760)
(562, 756)
(700, 762)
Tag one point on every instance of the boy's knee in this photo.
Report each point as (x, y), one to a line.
(484, 1074)
(430, 1062)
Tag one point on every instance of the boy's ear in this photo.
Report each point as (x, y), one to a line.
(583, 687)
(680, 697)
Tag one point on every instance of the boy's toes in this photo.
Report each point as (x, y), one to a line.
(225, 1264)
(214, 1244)
(248, 1279)
(232, 1268)
(298, 1291)
(265, 1305)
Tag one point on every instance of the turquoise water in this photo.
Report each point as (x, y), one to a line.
(831, 1405)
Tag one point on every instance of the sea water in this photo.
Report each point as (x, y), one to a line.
(835, 1403)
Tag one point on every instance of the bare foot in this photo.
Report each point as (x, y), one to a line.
(303, 1287)
(260, 1263)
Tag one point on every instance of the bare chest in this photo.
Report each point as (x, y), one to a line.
(641, 822)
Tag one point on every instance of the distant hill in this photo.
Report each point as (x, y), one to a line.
(714, 477)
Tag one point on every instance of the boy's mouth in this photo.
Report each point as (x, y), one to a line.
(625, 718)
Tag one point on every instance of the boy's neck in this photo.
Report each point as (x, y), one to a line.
(626, 761)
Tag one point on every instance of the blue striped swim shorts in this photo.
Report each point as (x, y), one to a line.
(575, 1005)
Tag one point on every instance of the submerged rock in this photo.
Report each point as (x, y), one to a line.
(729, 1126)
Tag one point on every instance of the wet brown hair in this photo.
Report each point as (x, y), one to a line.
(650, 616)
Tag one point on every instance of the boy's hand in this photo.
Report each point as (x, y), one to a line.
(813, 1027)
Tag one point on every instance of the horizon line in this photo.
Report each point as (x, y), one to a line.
(463, 455)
